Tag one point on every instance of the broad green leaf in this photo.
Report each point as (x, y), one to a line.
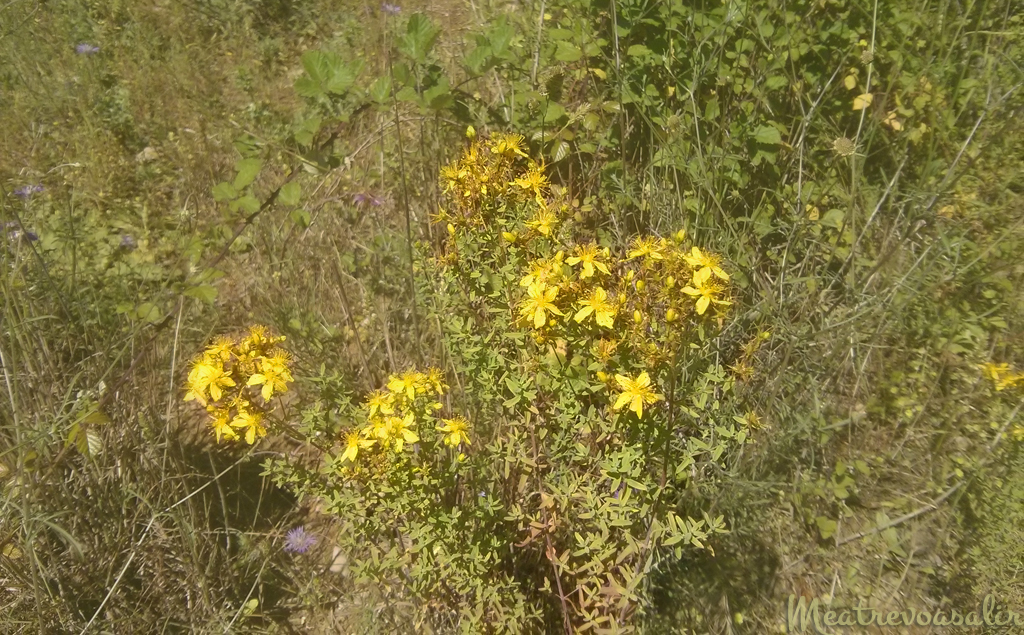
(420, 36)
(380, 89)
(768, 134)
(439, 96)
(205, 292)
(300, 217)
(290, 193)
(248, 204)
(224, 191)
(638, 50)
(248, 169)
(559, 151)
(554, 112)
(567, 52)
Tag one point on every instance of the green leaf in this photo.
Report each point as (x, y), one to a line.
(248, 203)
(248, 169)
(380, 89)
(567, 52)
(290, 193)
(440, 96)
(300, 217)
(559, 151)
(554, 112)
(148, 312)
(638, 50)
(205, 292)
(500, 36)
(342, 76)
(768, 134)
(826, 527)
(420, 36)
(224, 191)
(307, 87)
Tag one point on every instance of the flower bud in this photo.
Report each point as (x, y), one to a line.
(637, 316)
(629, 276)
(680, 235)
(602, 376)
(509, 236)
(622, 298)
(451, 229)
(671, 315)
(670, 282)
(470, 132)
(640, 285)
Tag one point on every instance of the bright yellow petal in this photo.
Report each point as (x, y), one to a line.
(268, 391)
(583, 313)
(539, 318)
(637, 406)
(623, 399)
(702, 304)
(702, 276)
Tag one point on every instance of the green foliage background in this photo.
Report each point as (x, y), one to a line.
(223, 162)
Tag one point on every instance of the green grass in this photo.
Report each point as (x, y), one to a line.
(885, 277)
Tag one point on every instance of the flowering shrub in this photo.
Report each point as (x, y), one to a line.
(597, 402)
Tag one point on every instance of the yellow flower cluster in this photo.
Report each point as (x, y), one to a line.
(393, 415)
(1002, 376)
(235, 379)
(487, 172)
(641, 297)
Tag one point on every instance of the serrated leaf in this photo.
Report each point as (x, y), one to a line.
(307, 87)
(420, 36)
(205, 292)
(860, 102)
(380, 89)
(290, 193)
(559, 151)
(554, 112)
(768, 135)
(248, 169)
(826, 527)
(224, 191)
(248, 204)
(440, 96)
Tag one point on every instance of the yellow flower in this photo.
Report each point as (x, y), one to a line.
(435, 378)
(252, 423)
(587, 256)
(380, 401)
(604, 311)
(408, 383)
(210, 376)
(456, 431)
(275, 376)
(705, 290)
(354, 443)
(221, 427)
(636, 393)
(401, 432)
(221, 349)
(543, 271)
(706, 264)
(507, 144)
(543, 222)
(1001, 376)
(647, 247)
(542, 298)
(534, 179)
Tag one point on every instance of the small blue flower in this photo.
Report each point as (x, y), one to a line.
(26, 191)
(299, 541)
(127, 242)
(86, 49)
(391, 9)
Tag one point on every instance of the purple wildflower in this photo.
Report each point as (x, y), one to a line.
(364, 198)
(127, 242)
(26, 191)
(86, 49)
(299, 541)
(389, 8)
